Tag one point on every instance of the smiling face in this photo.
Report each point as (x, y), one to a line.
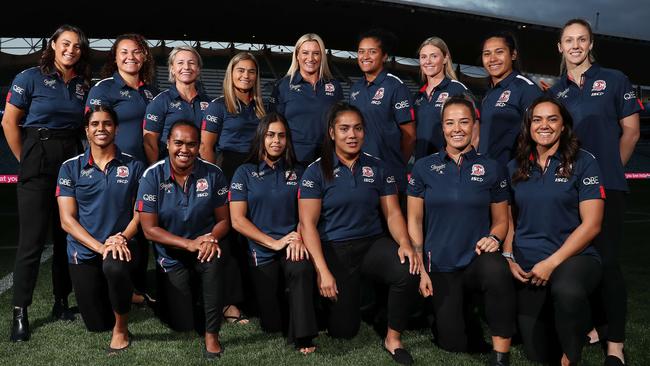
(309, 57)
(244, 75)
(275, 141)
(457, 126)
(129, 57)
(432, 61)
(101, 129)
(347, 133)
(185, 67)
(575, 44)
(546, 125)
(183, 147)
(497, 58)
(67, 50)
(370, 56)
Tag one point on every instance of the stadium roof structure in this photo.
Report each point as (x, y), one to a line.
(338, 21)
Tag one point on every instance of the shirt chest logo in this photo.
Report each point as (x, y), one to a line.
(175, 105)
(87, 173)
(353, 96)
(291, 177)
(148, 94)
(202, 187)
(367, 174)
(598, 88)
(121, 174)
(125, 94)
(503, 99)
(379, 95)
(329, 89)
(204, 105)
(563, 94)
(295, 88)
(167, 187)
(478, 171)
(438, 168)
(441, 99)
(80, 91)
(50, 83)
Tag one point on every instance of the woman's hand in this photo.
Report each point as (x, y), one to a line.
(327, 285)
(486, 245)
(296, 250)
(406, 251)
(541, 273)
(426, 287)
(207, 250)
(517, 272)
(117, 245)
(285, 241)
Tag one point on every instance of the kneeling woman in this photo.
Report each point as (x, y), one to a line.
(452, 188)
(558, 207)
(264, 208)
(183, 209)
(343, 196)
(95, 193)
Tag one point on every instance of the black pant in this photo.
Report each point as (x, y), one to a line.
(610, 301)
(282, 281)
(561, 308)
(488, 275)
(375, 257)
(141, 262)
(191, 296)
(101, 288)
(37, 210)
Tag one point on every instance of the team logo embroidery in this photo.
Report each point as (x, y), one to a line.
(367, 172)
(201, 185)
(295, 87)
(87, 172)
(562, 94)
(167, 187)
(289, 175)
(478, 170)
(51, 83)
(379, 94)
(505, 97)
(329, 88)
(147, 94)
(442, 97)
(438, 168)
(122, 172)
(204, 105)
(175, 105)
(353, 96)
(79, 90)
(599, 85)
(125, 94)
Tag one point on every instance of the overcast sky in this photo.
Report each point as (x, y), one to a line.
(624, 18)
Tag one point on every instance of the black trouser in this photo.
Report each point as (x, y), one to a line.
(140, 264)
(191, 296)
(375, 257)
(37, 210)
(561, 308)
(101, 288)
(282, 285)
(489, 275)
(610, 301)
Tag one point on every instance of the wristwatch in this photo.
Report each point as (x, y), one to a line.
(509, 255)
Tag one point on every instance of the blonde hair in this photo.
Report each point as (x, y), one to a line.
(232, 103)
(172, 56)
(440, 44)
(324, 69)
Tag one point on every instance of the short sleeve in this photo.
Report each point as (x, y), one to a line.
(311, 183)
(97, 96)
(589, 180)
(388, 183)
(65, 186)
(402, 105)
(500, 191)
(221, 189)
(213, 118)
(415, 186)
(154, 117)
(21, 91)
(627, 102)
(147, 199)
(239, 185)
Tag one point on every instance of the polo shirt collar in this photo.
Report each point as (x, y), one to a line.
(468, 156)
(88, 161)
(264, 165)
(169, 172)
(379, 79)
(507, 80)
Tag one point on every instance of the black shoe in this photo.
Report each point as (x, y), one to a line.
(611, 360)
(399, 355)
(20, 325)
(213, 355)
(499, 359)
(61, 311)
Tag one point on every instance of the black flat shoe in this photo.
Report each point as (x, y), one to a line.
(399, 355)
(611, 360)
(213, 355)
(20, 325)
(110, 351)
(499, 359)
(61, 311)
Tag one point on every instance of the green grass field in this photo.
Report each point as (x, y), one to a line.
(59, 343)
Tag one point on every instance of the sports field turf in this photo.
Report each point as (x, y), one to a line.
(59, 343)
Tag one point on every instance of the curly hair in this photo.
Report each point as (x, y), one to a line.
(147, 71)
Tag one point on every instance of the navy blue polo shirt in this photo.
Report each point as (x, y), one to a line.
(502, 112)
(305, 107)
(235, 130)
(271, 195)
(47, 100)
(428, 108)
(455, 195)
(385, 103)
(605, 98)
(104, 198)
(186, 213)
(350, 201)
(168, 107)
(547, 207)
(130, 105)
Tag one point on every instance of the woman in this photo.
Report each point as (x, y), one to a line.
(41, 123)
(264, 208)
(386, 106)
(605, 109)
(182, 101)
(437, 71)
(183, 209)
(505, 103)
(557, 204)
(129, 74)
(342, 198)
(305, 95)
(230, 121)
(95, 192)
(451, 188)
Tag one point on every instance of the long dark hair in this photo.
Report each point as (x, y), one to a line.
(258, 150)
(146, 72)
(82, 67)
(512, 44)
(526, 154)
(328, 149)
(585, 24)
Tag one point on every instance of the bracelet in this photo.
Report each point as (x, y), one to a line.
(495, 238)
(509, 255)
(123, 236)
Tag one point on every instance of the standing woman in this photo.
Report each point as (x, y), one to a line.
(182, 101)
(343, 196)
(386, 105)
(230, 121)
(441, 82)
(605, 109)
(49, 102)
(557, 204)
(449, 189)
(182, 202)
(264, 208)
(505, 103)
(127, 89)
(305, 95)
